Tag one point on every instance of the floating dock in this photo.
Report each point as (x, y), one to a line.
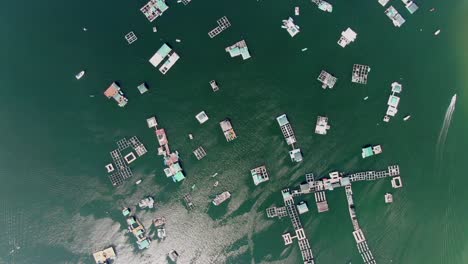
(239, 48)
(347, 37)
(327, 80)
(322, 126)
(116, 93)
(223, 24)
(214, 86)
(154, 9)
(227, 129)
(199, 153)
(202, 117)
(142, 88)
(396, 18)
(131, 37)
(259, 175)
(360, 73)
(292, 28)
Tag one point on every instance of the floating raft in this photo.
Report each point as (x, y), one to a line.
(326, 79)
(223, 24)
(199, 153)
(360, 73)
(131, 37)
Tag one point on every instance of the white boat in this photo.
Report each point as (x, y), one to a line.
(304, 49)
(178, 40)
(365, 98)
(214, 175)
(138, 182)
(406, 118)
(190, 136)
(216, 184)
(79, 75)
(296, 10)
(155, 29)
(85, 29)
(437, 32)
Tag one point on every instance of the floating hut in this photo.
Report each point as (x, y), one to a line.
(396, 18)
(347, 37)
(292, 28)
(239, 48)
(227, 129)
(154, 9)
(322, 125)
(259, 175)
(115, 92)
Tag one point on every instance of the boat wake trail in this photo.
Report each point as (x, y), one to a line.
(444, 130)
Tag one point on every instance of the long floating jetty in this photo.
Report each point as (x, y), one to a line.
(171, 159)
(361, 242)
(223, 24)
(319, 188)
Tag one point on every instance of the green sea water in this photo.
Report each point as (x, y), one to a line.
(58, 206)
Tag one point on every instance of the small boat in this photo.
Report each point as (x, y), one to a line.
(214, 175)
(155, 29)
(85, 29)
(216, 183)
(304, 49)
(406, 118)
(178, 40)
(80, 75)
(91, 95)
(432, 9)
(437, 32)
(138, 182)
(296, 10)
(365, 98)
(190, 136)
